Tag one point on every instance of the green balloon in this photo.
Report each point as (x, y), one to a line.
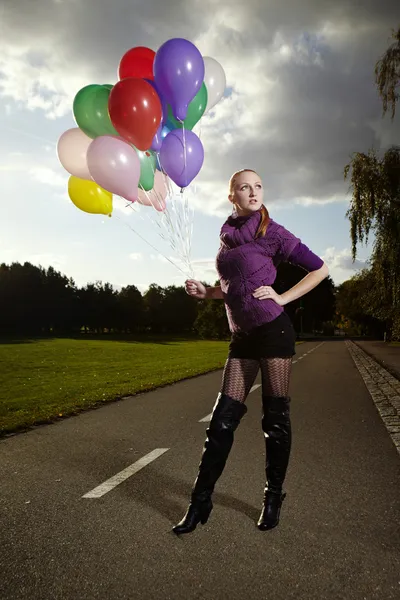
(195, 111)
(91, 111)
(108, 85)
(147, 169)
(82, 108)
(102, 124)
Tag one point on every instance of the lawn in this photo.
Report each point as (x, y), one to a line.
(42, 380)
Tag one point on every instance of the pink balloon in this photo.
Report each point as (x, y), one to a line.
(72, 147)
(155, 197)
(115, 166)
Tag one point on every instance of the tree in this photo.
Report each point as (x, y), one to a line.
(99, 307)
(317, 307)
(212, 322)
(387, 74)
(179, 310)
(59, 302)
(375, 206)
(375, 203)
(359, 307)
(153, 306)
(130, 309)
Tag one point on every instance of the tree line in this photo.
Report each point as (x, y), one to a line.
(371, 299)
(38, 301)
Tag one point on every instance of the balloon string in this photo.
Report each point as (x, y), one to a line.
(183, 226)
(177, 240)
(178, 234)
(184, 152)
(151, 245)
(187, 225)
(166, 218)
(150, 200)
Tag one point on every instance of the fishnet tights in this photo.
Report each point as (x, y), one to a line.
(240, 373)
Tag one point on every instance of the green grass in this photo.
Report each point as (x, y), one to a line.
(395, 344)
(42, 380)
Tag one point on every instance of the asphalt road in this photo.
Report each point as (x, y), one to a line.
(339, 535)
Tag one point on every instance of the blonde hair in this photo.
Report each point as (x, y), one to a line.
(265, 219)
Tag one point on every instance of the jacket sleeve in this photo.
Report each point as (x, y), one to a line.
(303, 257)
(291, 249)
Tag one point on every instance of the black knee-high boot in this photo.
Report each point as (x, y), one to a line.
(278, 440)
(226, 417)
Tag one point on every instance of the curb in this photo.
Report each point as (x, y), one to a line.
(383, 388)
(394, 372)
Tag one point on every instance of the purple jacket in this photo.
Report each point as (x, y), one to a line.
(244, 264)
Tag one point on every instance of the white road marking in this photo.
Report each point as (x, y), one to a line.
(111, 483)
(255, 387)
(207, 419)
(321, 344)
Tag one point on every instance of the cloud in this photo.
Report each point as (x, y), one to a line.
(341, 265)
(22, 164)
(48, 177)
(301, 79)
(161, 258)
(136, 256)
(142, 287)
(46, 260)
(204, 270)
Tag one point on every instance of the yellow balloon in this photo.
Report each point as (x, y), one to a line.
(89, 196)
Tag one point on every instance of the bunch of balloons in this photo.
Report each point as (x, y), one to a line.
(133, 135)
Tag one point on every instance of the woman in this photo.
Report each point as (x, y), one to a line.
(252, 246)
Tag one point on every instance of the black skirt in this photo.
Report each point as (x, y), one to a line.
(276, 339)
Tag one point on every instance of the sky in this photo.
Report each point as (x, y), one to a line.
(300, 100)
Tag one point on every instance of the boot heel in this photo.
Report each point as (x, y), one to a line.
(196, 513)
(271, 510)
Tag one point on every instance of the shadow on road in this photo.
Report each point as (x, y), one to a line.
(170, 496)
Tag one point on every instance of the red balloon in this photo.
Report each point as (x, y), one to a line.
(137, 62)
(135, 111)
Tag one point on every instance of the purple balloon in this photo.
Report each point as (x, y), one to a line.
(179, 74)
(164, 132)
(163, 101)
(160, 135)
(178, 144)
(157, 140)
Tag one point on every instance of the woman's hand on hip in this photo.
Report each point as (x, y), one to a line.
(266, 292)
(195, 289)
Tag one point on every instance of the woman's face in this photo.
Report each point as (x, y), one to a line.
(248, 193)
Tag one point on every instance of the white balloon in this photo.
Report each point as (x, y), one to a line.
(71, 149)
(215, 80)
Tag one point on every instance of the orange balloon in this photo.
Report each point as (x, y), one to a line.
(135, 111)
